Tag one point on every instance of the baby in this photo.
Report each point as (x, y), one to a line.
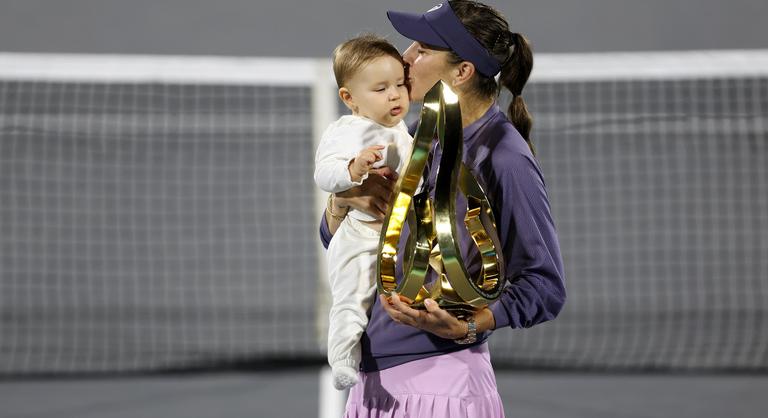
(370, 75)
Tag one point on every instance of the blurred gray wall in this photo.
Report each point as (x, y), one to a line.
(303, 28)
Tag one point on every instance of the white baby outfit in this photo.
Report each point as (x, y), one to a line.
(353, 250)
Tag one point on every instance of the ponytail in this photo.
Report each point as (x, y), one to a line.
(514, 75)
(491, 29)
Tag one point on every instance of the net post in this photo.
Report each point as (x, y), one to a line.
(324, 111)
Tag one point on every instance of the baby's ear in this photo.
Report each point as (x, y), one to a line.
(346, 97)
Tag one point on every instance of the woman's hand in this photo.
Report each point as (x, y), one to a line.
(435, 320)
(372, 196)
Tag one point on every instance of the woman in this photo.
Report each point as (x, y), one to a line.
(428, 363)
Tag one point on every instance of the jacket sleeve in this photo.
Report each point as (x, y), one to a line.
(535, 290)
(325, 232)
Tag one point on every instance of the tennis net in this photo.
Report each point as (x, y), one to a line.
(159, 212)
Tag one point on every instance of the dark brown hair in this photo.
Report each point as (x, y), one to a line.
(352, 55)
(491, 29)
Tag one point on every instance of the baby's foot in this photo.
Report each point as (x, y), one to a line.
(344, 377)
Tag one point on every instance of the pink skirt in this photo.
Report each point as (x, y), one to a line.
(459, 384)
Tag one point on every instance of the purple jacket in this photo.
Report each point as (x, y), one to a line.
(503, 165)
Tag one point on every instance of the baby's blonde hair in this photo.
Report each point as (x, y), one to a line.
(352, 55)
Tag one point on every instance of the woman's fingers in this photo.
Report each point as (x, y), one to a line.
(386, 172)
(442, 323)
(433, 308)
(372, 196)
(397, 303)
(379, 210)
(381, 193)
(439, 313)
(414, 317)
(435, 319)
(404, 299)
(394, 312)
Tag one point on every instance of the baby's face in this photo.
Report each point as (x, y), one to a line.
(378, 91)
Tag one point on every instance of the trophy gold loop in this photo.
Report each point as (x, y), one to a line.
(433, 241)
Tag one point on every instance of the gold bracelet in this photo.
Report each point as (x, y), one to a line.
(330, 212)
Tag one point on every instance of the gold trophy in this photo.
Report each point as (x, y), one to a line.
(433, 242)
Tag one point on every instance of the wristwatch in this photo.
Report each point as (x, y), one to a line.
(471, 333)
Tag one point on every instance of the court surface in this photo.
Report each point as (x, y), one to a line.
(294, 393)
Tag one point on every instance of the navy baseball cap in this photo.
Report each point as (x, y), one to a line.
(440, 27)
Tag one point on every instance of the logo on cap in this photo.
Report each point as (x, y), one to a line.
(435, 8)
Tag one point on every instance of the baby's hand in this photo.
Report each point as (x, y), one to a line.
(364, 161)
